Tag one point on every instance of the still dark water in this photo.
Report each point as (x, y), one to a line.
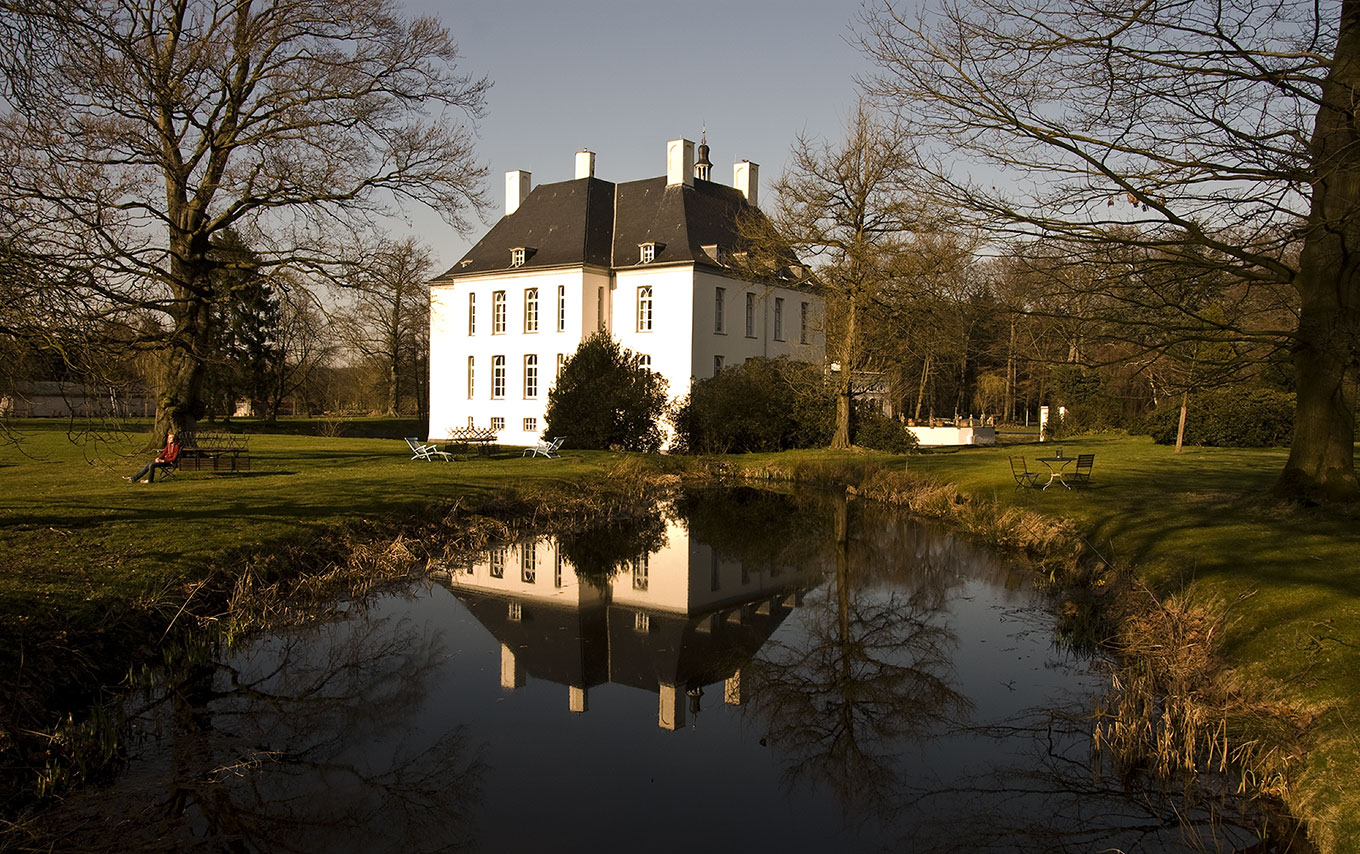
(739, 672)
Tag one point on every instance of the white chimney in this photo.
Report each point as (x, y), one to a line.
(585, 164)
(516, 188)
(679, 162)
(746, 178)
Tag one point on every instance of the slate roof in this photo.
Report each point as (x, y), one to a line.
(598, 223)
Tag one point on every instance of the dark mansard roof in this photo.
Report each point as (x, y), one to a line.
(597, 223)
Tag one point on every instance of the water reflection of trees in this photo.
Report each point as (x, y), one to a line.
(1058, 797)
(597, 551)
(759, 529)
(873, 675)
(295, 744)
(871, 671)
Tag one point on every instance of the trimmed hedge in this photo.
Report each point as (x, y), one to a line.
(1236, 417)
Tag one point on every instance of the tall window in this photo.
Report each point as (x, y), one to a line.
(561, 308)
(802, 324)
(517, 257)
(644, 305)
(719, 295)
(531, 310)
(528, 563)
(472, 376)
(779, 318)
(648, 253)
(561, 363)
(717, 365)
(750, 315)
(599, 309)
(498, 563)
(531, 376)
(645, 361)
(472, 314)
(640, 572)
(498, 376)
(498, 312)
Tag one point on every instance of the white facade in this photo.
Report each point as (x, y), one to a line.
(482, 336)
(499, 335)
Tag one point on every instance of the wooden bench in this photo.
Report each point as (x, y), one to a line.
(214, 452)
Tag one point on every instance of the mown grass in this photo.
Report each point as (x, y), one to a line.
(79, 543)
(73, 532)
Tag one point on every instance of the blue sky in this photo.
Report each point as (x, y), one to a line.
(621, 78)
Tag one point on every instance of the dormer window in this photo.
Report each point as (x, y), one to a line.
(517, 257)
(647, 252)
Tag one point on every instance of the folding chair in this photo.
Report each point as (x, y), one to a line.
(1023, 476)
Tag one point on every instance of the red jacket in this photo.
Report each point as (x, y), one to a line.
(170, 454)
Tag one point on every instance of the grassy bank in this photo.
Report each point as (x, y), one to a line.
(82, 549)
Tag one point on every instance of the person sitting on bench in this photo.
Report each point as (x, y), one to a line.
(164, 460)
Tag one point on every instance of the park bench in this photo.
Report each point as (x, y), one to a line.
(201, 451)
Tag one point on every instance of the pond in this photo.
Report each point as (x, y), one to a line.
(737, 672)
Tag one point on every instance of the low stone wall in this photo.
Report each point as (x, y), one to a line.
(934, 436)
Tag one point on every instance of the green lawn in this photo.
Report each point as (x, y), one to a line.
(72, 531)
(75, 538)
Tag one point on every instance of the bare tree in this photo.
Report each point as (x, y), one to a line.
(1215, 134)
(305, 346)
(847, 209)
(136, 131)
(388, 318)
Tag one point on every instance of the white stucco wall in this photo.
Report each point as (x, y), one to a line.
(451, 406)
(732, 342)
(682, 342)
(668, 341)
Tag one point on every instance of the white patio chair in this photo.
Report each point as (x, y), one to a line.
(429, 453)
(545, 449)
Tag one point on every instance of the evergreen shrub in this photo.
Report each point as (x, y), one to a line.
(607, 398)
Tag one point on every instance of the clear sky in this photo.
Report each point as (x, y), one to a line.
(622, 77)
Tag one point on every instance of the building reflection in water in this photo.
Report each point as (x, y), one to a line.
(671, 620)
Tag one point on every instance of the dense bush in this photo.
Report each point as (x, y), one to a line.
(870, 428)
(1237, 417)
(606, 397)
(1089, 409)
(1093, 416)
(759, 405)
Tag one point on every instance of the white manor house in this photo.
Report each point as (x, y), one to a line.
(653, 262)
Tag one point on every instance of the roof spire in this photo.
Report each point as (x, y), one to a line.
(702, 166)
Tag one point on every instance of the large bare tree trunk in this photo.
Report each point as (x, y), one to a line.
(179, 396)
(1322, 457)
